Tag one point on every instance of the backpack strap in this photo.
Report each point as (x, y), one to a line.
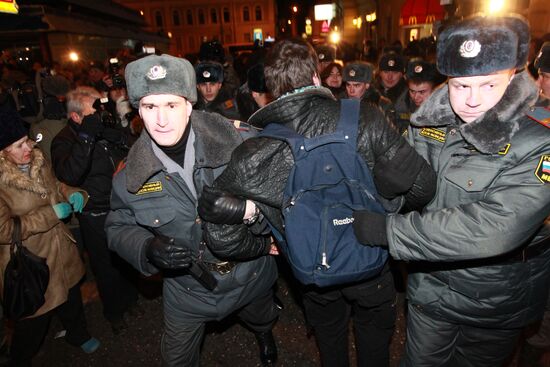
(349, 120)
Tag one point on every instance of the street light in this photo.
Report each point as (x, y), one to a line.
(73, 56)
(495, 6)
(335, 37)
(295, 9)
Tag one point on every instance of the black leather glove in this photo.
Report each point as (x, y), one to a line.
(92, 125)
(220, 207)
(396, 176)
(164, 253)
(112, 135)
(370, 228)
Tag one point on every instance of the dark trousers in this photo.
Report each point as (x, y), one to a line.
(432, 342)
(370, 304)
(29, 333)
(112, 274)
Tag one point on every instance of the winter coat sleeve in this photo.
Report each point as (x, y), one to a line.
(509, 213)
(71, 157)
(124, 235)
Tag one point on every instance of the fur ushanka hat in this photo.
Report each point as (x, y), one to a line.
(163, 74)
(357, 72)
(481, 45)
(542, 62)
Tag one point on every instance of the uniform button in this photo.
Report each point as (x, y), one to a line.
(198, 220)
(470, 182)
(452, 132)
(156, 221)
(167, 178)
(379, 286)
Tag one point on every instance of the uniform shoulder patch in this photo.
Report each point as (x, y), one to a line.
(433, 133)
(228, 104)
(150, 187)
(120, 166)
(543, 169)
(540, 115)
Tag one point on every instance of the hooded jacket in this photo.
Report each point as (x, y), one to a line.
(491, 203)
(31, 198)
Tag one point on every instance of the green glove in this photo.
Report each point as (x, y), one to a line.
(77, 201)
(62, 210)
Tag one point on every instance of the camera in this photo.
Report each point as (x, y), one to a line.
(101, 107)
(114, 70)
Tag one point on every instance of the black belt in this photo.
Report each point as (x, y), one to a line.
(529, 252)
(223, 268)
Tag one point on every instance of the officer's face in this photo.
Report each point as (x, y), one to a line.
(390, 78)
(419, 92)
(165, 117)
(356, 89)
(209, 90)
(472, 96)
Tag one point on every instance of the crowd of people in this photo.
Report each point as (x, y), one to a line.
(157, 161)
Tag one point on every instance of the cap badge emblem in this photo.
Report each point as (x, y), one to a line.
(321, 56)
(206, 74)
(352, 73)
(418, 69)
(391, 63)
(156, 72)
(470, 48)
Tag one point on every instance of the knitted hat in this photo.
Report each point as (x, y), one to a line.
(209, 72)
(256, 78)
(163, 74)
(357, 72)
(542, 62)
(481, 45)
(11, 128)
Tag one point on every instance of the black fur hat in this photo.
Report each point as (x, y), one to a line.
(391, 61)
(11, 128)
(481, 45)
(542, 62)
(420, 70)
(325, 53)
(256, 79)
(209, 72)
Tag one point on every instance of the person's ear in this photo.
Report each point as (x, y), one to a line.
(75, 117)
(189, 108)
(316, 80)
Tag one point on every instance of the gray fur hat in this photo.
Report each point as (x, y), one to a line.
(542, 62)
(209, 72)
(163, 74)
(481, 45)
(357, 71)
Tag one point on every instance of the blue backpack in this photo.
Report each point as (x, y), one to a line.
(328, 182)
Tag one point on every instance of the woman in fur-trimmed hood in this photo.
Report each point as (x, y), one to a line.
(481, 247)
(29, 190)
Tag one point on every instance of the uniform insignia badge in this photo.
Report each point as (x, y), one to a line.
(150, 187)
(540, 115)
(156, 72)
(405, 133)
(504, 150)
(433, 133)
(543, 169)
(391, 63)
(470, 48)
(321, 56)
(418, 69)
(206, 74)
(352, 73)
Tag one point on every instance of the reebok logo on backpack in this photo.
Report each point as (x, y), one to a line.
(328, 182)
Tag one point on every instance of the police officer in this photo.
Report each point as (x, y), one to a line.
(482, 242)
(325, 55)
(421, 81)
(390, 81)
(358, 80)
(153, 223)
(212, 98)
(542, 64)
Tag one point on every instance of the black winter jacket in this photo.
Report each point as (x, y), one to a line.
(260, 167)
(86, 163)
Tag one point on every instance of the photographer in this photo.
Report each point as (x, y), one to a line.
(85, 154)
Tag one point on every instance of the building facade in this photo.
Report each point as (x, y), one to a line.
(189, 23)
